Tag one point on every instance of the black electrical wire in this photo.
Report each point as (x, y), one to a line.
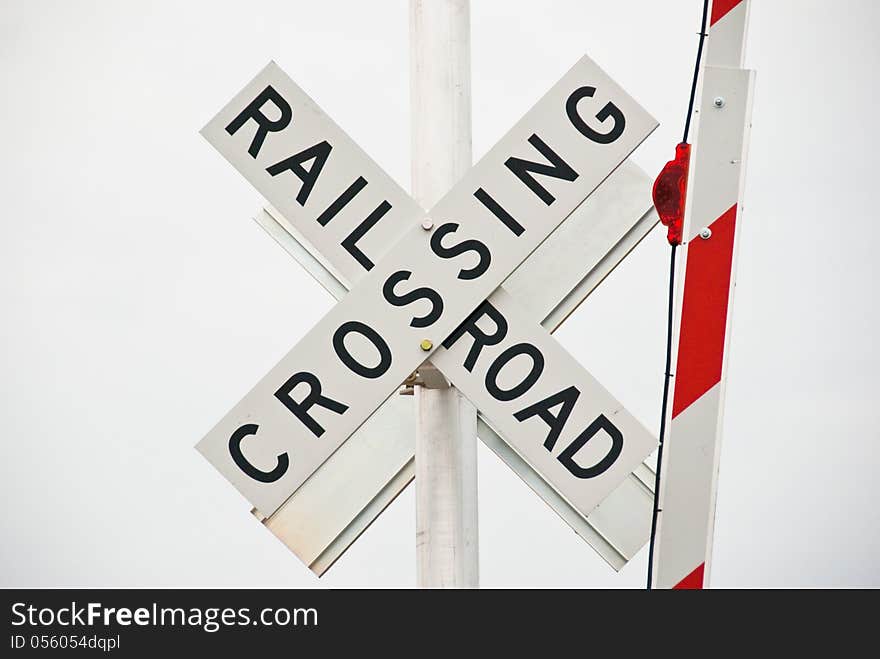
(666, 379)
(668, 371)
(690, 112)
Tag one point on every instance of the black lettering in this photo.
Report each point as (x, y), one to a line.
(609, 110)
(319, 153)
(506, 218)
(502, 360)
(238, 457)
(301, 409)
(350, 242)
(421, 293)
(557, 168)
(601, 423)
(481, 339)
(567, 398)
(464, 246)
(373, 337)
(254, 111)
(342, 201)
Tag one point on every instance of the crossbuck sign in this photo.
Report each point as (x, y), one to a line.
(428, 286)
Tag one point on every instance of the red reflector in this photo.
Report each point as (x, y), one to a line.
(669, 192)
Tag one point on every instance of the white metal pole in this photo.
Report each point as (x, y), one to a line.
(446, 423)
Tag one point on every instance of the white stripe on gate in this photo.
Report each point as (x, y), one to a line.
(689, 473)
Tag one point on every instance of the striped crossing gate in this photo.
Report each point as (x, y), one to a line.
(703, 305)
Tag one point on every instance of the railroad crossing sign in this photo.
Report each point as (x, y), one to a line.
(428, 286)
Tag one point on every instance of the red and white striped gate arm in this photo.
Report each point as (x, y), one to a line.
(704, 304)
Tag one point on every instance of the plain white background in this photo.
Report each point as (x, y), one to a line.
(139, 302)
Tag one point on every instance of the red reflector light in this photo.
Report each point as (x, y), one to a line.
(669, 192)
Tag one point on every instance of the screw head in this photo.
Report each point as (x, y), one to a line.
(705, 233)
(426, 344)
(719, 102)
(427, 225)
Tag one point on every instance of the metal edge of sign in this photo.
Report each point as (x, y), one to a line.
(616, 529)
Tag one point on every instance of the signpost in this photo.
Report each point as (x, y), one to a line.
(465, 295)
(447, 531)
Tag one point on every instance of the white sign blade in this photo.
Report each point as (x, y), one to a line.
(556, 415)
(299, 159)
(302, 411)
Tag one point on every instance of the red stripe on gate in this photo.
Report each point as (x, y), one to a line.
(693, 581)
(704, 312)
(720, 9)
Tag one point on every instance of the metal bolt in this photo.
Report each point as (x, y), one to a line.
(426, 344)
(705, 233)
(719, 102)
(427, 225)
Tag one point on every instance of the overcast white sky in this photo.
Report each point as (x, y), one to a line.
(139, 301)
